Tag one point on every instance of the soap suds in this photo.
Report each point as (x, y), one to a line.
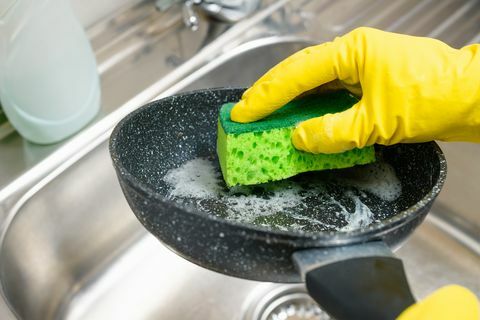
(378, 178)
(361, 217)
(286, 205)
(195, 179)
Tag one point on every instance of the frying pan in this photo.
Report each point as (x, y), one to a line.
(351, 274)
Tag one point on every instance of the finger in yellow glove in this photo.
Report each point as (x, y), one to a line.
(412, 89)
(447, 303)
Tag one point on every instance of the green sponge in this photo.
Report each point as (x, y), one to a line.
(262, 151)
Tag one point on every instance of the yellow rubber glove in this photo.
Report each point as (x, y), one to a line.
(448, 303)
(412, 90)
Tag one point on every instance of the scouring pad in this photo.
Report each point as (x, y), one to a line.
(262, 151)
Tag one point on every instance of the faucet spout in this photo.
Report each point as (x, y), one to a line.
(190, 17)
(229, 11)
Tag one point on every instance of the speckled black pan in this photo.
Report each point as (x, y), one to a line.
(165, 134)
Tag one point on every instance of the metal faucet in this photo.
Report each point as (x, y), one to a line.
(229, 11)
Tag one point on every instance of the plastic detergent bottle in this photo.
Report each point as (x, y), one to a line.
(49, 85)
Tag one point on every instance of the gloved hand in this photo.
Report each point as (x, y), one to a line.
(447, 303)
(412, 89)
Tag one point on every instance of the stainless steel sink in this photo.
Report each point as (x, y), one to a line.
(72, 248)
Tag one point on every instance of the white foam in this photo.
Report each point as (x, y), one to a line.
(248, 207)
(199, 180)
(361, 217)
(378, 178)
(194, 179)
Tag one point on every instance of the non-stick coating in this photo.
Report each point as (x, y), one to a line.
(167, 133)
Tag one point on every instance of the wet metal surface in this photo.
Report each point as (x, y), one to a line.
(74, 250)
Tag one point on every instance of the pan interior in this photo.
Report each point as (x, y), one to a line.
(169, 148)
(336, 200)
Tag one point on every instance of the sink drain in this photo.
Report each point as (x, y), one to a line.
(294, 306)
(287, 302)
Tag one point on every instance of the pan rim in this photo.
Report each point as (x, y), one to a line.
(337, 237)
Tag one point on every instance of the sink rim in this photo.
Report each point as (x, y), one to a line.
(84, 145)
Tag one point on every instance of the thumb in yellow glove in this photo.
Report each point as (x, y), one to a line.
(412, 90)
(447, 303)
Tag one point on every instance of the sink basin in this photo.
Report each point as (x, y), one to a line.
(73, 249)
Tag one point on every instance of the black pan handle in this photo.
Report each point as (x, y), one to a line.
(364, 281)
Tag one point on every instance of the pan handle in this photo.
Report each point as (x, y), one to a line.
(364, 281)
